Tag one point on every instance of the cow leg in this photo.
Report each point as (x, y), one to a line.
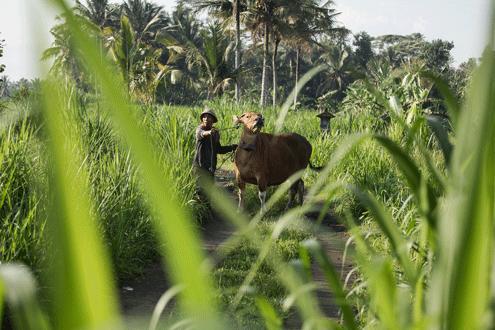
(296, 189)
(262, 197)
(292, 194)
(300, 192)
(242, 186)
(240, 194)
(262, 186)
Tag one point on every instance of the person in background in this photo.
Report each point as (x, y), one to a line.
(208, 145)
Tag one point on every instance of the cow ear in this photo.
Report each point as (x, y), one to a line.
(236, 119)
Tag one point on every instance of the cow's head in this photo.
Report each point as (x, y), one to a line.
(253, 121)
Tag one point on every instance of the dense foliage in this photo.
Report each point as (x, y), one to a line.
(177, 58)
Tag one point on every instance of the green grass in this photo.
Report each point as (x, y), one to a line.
(235, 266)
(125, 220)
(22, 194)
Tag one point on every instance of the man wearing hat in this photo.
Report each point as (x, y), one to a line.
(208, 144)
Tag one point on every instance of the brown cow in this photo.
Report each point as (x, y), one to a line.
(267, 160)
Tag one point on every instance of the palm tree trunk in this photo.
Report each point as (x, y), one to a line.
(297, 77)
(264, 75)
(237, 49)
(291, 70)
(276, 42)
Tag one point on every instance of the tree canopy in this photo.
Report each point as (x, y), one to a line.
(177, 57)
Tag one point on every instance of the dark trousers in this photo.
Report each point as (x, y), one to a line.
(203, 178)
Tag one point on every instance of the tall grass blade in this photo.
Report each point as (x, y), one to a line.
(333, 281)
(442, 137)
(380, 279)
(182, 249)
(83, 294)
(466, 240)
(161, 304)
(304, 300)
(422, 190)
(451, 101)
(267, 245)
(18, 290)
(2, 299)
(362, 247)
(272, 320)
(346, 146)
(383, 291)
(395, 110)
(398, 243)
(419, 297)
(300, 84)
(278, 194)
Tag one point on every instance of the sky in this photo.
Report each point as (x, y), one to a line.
(25, 26)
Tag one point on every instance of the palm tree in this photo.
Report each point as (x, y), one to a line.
(183, 32)
(340, 70)
(97, 11)
(296, 23)
(261, 16)
(67, 61)
(280, 29)
(288, 15)
(208, 52)
(228, 11)
(146, 18)
(138, 62)
(215, 60)
(61, 50)
(308, 21)
(100, 13)
(237, 63)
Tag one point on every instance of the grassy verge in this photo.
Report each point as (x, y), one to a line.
(114, 184)
(230, 273)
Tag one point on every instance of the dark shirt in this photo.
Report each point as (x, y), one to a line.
(207, 148)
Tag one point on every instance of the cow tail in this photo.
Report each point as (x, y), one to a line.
(315, 168)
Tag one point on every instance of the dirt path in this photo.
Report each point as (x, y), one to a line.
(333, 240)
(139, 296)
